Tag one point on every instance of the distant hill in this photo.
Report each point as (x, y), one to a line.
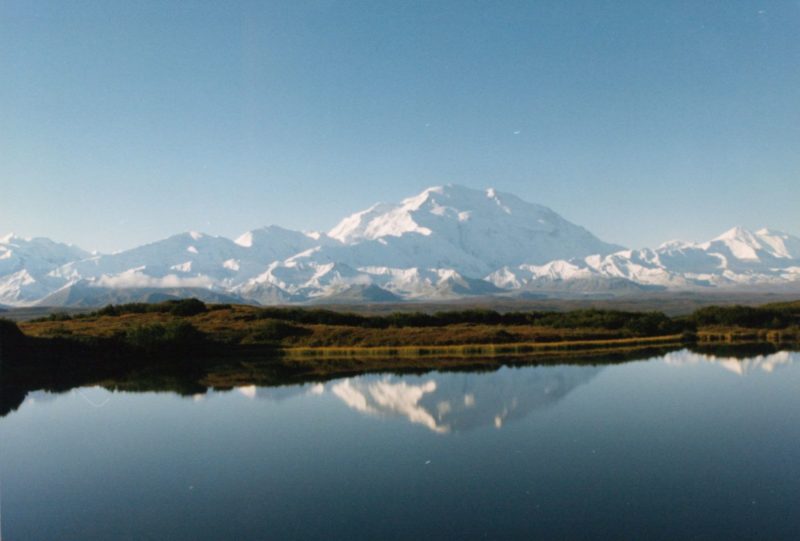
(362, 294)
(84, 295)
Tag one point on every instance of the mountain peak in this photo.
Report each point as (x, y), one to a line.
(445, 241)
(479, 230)
(752, 246)
(737, 232)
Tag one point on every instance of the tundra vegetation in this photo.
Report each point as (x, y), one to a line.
(192, 326)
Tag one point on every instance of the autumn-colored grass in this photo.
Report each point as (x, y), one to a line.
(478, 349)
(235, 325)
(247, 327)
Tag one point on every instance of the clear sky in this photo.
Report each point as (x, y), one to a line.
(124, 122)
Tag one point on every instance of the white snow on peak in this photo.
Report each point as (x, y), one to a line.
(762, 244)
(473, 231)
(780, 244)
(231, 264)
(445, 242)
(675, 245)
(183, 267)
(378, 221)
(742, 243)
(246, 239)
(734, 233)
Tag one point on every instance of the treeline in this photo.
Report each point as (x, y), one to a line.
(179, 307)
(636, 323)
(771, 316)
(275, 323)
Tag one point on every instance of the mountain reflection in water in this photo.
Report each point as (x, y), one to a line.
(454, 402)
(741, 366)
(662, 446)
(448, 402)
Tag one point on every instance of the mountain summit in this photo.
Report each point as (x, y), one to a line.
(491, 227)
(445, 242)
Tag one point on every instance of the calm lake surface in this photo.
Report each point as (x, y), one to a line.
(679, 446)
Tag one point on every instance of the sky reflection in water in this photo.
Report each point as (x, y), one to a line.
(684, 445)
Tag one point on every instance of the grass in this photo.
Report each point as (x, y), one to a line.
(237, 324)
(480, 350)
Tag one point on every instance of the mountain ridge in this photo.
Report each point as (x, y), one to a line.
(443, 243)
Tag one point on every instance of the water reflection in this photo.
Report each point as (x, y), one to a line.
(443, 402)
(280, 393)
(660, 448)
(453, 402)
(390, 397)
(741, 366)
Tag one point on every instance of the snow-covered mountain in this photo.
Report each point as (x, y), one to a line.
(737, 258)
(446, 242)
(26, 264)
(470, 231)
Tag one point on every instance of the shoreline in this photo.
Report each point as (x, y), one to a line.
(463, 351)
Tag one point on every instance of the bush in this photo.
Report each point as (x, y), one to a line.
(179, 336)
(57, 331)
(652, 323)
(187, 307)
(501, 337)
(10, 335)
(55, 316)
(182, 307)
(273, 330)
(146, 337)
(777, 317)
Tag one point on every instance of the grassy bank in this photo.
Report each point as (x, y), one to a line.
(477, 350)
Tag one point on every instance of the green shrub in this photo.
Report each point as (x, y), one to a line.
(767, 317)
(157, 338)
(187, 307)
(55, 316)
(182, 307)
(273, 330)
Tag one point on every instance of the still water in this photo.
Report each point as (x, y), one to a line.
(682, 446)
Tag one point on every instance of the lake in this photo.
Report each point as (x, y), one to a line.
(680, 446)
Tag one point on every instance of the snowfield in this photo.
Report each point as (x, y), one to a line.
(446, 242)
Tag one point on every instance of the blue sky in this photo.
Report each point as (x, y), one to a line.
(124, 122)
